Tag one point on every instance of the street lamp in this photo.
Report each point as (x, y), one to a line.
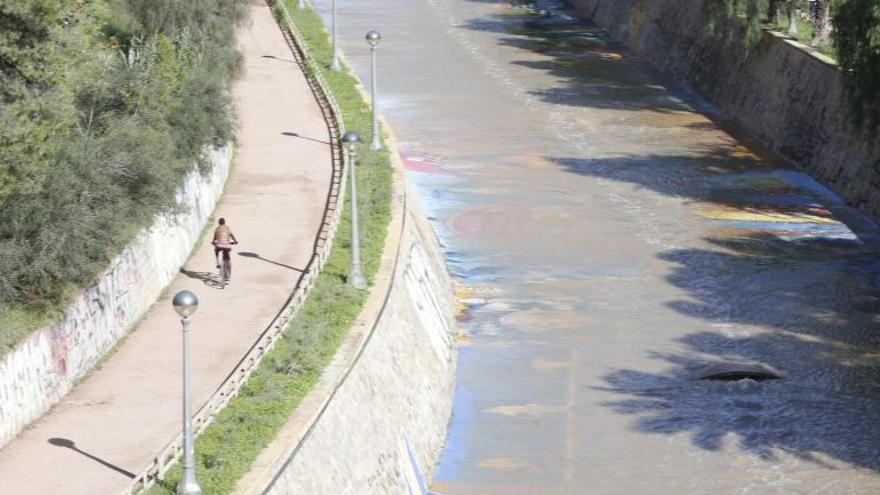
(186, 303)
(373, 38)
(350, 140)
(335, 63)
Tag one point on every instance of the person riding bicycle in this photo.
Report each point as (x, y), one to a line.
(223, 241)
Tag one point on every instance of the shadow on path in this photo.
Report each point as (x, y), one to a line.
(273, 57)
(208, 278)
(247, 254)
(69, 444)
(293, 134)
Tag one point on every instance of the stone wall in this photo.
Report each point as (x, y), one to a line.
(43, 368)
(787, 95)
(378, 418)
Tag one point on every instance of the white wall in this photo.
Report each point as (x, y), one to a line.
(43, 368)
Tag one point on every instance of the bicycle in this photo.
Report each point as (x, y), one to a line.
(224, 265)
(224, 271)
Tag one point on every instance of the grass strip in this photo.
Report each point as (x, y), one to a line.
(805, 33)
(227, 448)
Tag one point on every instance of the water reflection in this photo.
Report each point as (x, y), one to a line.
(611, 238)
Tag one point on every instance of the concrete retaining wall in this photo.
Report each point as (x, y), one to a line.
(787, 95)
(43, 368)
(378, 417)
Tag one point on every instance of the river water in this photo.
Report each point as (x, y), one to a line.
(613, 241)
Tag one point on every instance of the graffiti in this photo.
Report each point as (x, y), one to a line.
(419, 284)
(44, 368)
(415, 162)
(59, 349)
(785, 204)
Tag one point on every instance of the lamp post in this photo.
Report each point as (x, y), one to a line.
(792, 17)
(373, 38)
(186, 303)
(335, 63)
(350, 140)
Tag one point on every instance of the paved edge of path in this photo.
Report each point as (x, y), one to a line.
(100, 459)
(304, 419)
(323, 243)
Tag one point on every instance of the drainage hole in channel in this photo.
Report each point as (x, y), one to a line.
(732, 375)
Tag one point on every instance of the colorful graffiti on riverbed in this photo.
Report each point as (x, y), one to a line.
(786, 204)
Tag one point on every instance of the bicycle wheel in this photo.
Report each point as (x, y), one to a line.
(224, 274)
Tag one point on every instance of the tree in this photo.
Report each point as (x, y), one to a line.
(728, 17)
(857, 42)
(104, 105)
(823, 23)
(29, 110)
(773, 10)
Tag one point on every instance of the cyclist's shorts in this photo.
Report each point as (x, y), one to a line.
(225, 248)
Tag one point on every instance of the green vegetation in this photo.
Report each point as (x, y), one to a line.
(734, 18)
(847, 30)
(857, 42)
(226, 449)
(805, 33)
(104, 105)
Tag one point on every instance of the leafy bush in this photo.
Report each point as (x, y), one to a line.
(735, 17)
(104, 105)
(854, 32)
(857, 40)
(31, 107)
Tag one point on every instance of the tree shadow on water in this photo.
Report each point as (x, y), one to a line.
(592, 69)
(806, 309)
(789, 284)
(786, 279)
(731, 177)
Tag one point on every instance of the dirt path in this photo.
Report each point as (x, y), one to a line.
(130, 408)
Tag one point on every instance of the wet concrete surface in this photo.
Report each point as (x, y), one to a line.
(613, 239)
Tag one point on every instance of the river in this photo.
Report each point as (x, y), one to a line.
(614, 241)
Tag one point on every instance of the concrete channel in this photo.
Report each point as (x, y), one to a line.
(611, 237)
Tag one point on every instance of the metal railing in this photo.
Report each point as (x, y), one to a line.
(170, 454)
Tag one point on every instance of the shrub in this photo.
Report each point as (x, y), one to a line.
(104, 105)
(857, 42)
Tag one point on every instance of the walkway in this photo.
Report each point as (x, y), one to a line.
(130, 408)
